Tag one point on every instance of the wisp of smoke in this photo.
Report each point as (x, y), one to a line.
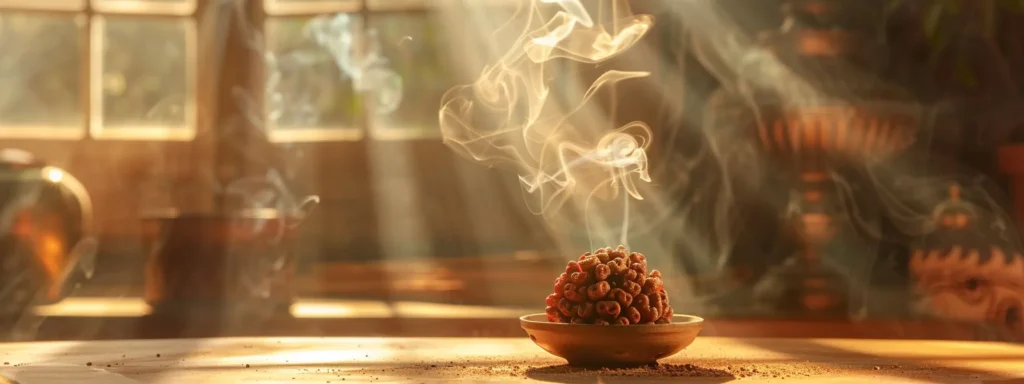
(338, 36)
(509, 116)
(359, 59)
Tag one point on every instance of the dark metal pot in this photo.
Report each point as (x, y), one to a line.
(46, 240)
(222, 262)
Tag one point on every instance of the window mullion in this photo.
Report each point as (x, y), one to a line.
(90, 79)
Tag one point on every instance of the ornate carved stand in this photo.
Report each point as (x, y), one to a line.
(816, 104)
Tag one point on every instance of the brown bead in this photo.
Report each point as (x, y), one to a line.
(651, 315)
(663, 320)
(633, 315)
(618, 266)
(552, 313)
(640, 279)
(580, 278)
(622, 297)
(667, 314)
(560, 282)
(577, 320)
(601, 272)
(603, 257)
(566, 307)
(630, 275)
(656, 302)
(655, 273)
(586, 311)
(617, 255)
(639, 268)
(648, 314)
(608, 309)
(630, 287)
(588, 263)
(553, 299)
(562, 277)
(601, 322)
(653, 285)
(622, 321)
(571, 292)
(572, 267)
(641, 301)
(637, 257)
(598, 291)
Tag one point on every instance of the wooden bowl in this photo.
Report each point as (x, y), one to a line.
(612, 345)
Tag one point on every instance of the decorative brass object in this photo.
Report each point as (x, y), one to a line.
(811, 95)
(47, 245)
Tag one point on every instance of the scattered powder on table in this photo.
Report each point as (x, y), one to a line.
(499, 367)
(661, 370)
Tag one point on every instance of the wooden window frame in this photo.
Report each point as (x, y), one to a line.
(92, 14)
(366, 129)
(150, 132)
(315, 133)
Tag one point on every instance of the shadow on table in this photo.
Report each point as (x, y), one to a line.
(660, 373)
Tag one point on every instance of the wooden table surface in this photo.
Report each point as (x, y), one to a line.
(423, 360)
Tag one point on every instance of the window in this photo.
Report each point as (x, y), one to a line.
(123, 68)
(143, 78)
(390, 87)
(413, 45)
(40, 86)
(308, 96)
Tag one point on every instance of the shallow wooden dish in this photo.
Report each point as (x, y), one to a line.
(612, 345)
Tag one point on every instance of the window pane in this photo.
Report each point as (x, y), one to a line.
(309, 91)
(40, 75)
(413, 45)
(146, 81)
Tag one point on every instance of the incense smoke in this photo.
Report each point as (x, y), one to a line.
(511, 116)
(368, 69)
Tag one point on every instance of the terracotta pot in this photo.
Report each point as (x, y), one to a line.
(612, 345)
(222, 262)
